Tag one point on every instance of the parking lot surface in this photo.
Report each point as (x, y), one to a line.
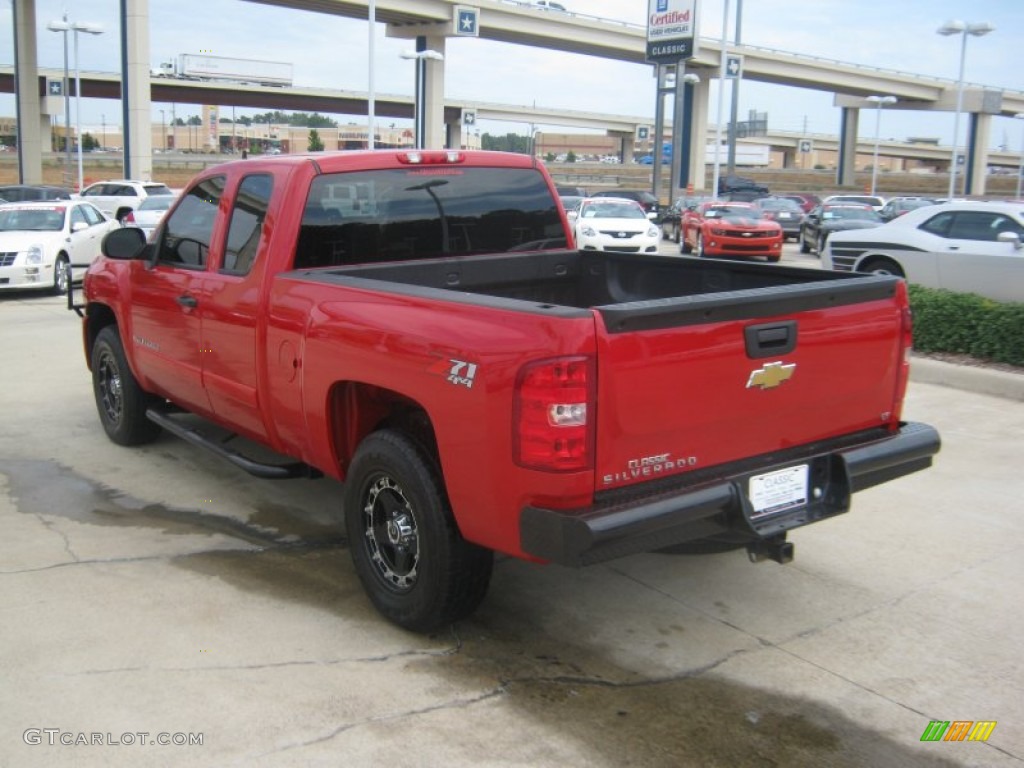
(154, 598)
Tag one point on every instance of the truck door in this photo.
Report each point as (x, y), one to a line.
(232, 322)
(167, 299)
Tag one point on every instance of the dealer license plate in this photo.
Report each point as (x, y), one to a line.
(778, 491)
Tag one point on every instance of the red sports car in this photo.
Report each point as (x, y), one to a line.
(730, 229)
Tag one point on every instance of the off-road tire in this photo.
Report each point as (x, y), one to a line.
(120, 401)
(415, 566)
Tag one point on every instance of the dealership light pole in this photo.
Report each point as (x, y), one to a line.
(370, 94)
(721, 100)
(66, 26)
(879, 102)
(963, 29)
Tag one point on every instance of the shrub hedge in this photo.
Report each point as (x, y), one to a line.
(967, 324)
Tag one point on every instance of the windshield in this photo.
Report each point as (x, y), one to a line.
(852, 213)
(856, 199)
(31, 220)
(613, 211)
(730, 212)
(424, 213)
(778, 205)
(158, 203)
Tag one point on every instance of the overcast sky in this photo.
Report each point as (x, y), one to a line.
(331, 51)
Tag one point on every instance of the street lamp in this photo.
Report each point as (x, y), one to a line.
(66, 26)
(420, 118)
(1020, 166)
(963, 29)
(879, 102)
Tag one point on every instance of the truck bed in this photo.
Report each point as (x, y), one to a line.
(630, 291)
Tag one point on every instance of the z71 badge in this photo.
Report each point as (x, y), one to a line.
(458, 372)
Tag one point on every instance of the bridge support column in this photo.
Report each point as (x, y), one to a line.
(135, 96)
(628, 148)
(430, 94)
(681, 175)
(697, 116)
(846, 168)
(26, 86)
(976, 168)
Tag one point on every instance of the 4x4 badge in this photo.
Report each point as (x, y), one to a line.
(771, 375)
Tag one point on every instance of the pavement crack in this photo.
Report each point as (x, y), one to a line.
(48, 524)
(462, 703)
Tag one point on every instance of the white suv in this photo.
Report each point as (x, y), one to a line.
(119, 197)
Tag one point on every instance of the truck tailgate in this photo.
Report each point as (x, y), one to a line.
(687, 384)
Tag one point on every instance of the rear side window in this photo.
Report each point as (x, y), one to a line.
(246, 227)
(971, 225)
(186, 238)
(425, 213)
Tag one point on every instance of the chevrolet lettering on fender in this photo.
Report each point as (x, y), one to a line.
(417, 325)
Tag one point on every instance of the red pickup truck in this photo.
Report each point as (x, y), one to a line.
(414, 324)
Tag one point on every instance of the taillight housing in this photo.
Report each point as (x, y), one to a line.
(129, 218)
(554, 415)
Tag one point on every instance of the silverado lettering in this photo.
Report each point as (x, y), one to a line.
(339, 309)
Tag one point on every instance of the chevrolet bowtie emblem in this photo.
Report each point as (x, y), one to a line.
(771, 375)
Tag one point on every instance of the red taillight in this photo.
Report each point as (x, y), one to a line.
(432, 157)
(553, 415)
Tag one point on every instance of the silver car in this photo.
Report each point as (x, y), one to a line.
(967, 247)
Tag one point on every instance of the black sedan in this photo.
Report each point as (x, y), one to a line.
(786, 212)
(824, 219)
(671, 217)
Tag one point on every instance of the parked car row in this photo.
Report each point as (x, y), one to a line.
(44, 229)
(962, 246)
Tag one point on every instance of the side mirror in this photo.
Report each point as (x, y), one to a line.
(126, 243)
(652, 215)
(1010, 237)
(572, 215)
(78, 226)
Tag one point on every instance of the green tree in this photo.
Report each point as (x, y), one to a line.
(570, 157)
(89, 142)
(315, 144)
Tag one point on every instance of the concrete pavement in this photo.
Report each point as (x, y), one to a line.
(158, 591)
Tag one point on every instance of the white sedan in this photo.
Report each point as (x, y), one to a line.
(39, 240)
(967, 247)
(613, 224)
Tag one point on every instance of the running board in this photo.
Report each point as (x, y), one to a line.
(289, 471)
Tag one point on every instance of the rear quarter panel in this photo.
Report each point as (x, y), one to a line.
(408, 345)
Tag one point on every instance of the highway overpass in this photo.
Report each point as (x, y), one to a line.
(431, 23)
